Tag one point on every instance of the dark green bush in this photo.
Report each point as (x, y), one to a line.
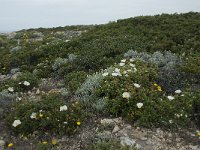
(74, 79)
(47, 116)
(136, 96)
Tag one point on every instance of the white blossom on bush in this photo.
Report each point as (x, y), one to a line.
(26, 83)
(121, 64)
(136, 85)
(178, 91)
(105, 74)
(170, 97)
(139, 105)
(16, 123)
(123, 60)
(63, 108)
(33, 116)
(11, 89)
(126, 95)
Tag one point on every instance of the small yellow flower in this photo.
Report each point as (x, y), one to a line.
(44, 142)
(198, 133)
(54, 141)
(78, 123)
(155, 84)
(159, 88)
(10, 145)
(41, 115)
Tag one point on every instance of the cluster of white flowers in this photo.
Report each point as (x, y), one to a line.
(26, 83)
(63, 108)
(105, 74)
(116, 72)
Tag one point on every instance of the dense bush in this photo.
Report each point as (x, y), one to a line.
(50, 115)
(74, 79)
(131, 91)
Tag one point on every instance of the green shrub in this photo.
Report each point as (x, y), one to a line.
(50, 115)
(131, 91)
(75, 79)
(25, 82)
(192, 65)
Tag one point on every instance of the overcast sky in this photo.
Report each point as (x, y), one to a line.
(20, 14)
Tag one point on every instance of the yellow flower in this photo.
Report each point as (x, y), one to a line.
(10, 145)
(54, 141)
(41, 115)
(44, 142)
(159, 88)
(78, 123)
(155, 84)
(198, 133)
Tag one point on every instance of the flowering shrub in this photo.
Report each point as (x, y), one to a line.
(51, 115)
(130, 91)
(25, 82)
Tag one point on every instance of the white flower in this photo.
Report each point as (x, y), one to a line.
(121, 64)
(132, 65)
(177, 115)
(178, 91)
(114, 74)
(131, 60)
(126, 95)
(139, 105)
(170, 121)
(170, 97)
(11, 89)
(129, 70)
(136, 85)
(117, 70)
(105, 74)
(123, 60)
(16, 123)
(33, 116)
(26, 83)
(18, 98)
(63, 108)
(135, 69)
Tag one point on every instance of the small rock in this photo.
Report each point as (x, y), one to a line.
(107, 121)
(104, 135)
(14, 76)
(14, 70)
(117, 120)
(38, 92)
(194, 147)
(116, 129)
(127, 141)
(2, 143)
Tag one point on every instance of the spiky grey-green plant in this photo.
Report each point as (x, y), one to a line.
(6, 98)
(59, 62)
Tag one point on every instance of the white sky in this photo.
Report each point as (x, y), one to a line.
(20, 14)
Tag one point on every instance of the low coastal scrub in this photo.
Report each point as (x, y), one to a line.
(50, 115)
